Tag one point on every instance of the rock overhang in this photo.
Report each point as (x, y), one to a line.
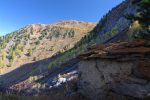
(137, 49)
(121, 67)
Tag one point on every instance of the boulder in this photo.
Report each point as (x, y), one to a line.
(123, 68)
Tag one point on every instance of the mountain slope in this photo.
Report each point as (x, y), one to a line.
(38, 41)
(111, 28)
(45, 60)
(110, 25)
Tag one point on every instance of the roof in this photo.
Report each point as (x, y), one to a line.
(122, 51)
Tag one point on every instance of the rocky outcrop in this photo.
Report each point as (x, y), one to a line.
(122, 68)
(116, 17)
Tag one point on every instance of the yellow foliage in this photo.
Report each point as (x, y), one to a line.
(32, 78)
(134, 29)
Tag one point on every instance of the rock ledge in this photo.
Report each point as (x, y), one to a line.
(123, 68)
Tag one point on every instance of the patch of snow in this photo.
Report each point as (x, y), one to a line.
(60, 81)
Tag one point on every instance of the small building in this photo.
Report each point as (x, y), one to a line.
(122, 68)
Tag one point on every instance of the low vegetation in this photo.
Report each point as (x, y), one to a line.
(35, 42)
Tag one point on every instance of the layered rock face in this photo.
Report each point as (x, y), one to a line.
(122, 68)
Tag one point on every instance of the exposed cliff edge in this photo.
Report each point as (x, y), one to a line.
(122, 68)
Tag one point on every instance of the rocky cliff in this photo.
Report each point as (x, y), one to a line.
(122, 68)
(116, 17)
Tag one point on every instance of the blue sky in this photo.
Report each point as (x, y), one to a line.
(15, 14)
